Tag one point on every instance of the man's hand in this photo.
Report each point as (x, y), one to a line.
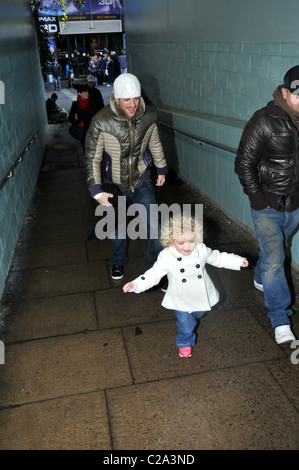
(160, 180)
(103, 199)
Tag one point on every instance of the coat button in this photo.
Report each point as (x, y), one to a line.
(142, 277)
(197, 266)
(182, 270)
(184, 280)
(199, 276)
(179, 259)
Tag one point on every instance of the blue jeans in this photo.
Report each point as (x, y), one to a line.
(145, 196)
(186, 323)
(273, 231)
(56, 82)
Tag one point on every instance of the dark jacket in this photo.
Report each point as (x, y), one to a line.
(51, 107)
(267, 160)
(56, 70)
(123, 147)
(78, 115)
(97, 98)
(122, 59)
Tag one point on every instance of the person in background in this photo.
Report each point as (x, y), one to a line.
(267, 165)
(104, 67)
(54, 113)
(95, 94)
(100, 70)
(114, 57)
(56, 72)
(109, 71)
(93, 68)
(81, 113)
(69, 73)
(122, 59)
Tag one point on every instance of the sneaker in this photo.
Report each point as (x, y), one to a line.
(117, 272)
(258, 286)
(283, 334)
(185, 352)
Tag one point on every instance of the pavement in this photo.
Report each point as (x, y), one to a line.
(88, 367)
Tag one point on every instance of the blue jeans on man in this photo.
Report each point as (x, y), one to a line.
(145, 196)
(56, 81)
(274, 230)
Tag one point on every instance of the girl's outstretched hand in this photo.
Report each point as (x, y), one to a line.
(129, 287)
(245, 263)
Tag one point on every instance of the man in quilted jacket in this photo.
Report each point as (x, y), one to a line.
(121, 145)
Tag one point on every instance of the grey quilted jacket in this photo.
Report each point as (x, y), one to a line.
(120, 150)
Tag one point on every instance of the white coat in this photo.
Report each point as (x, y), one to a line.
(189, 286)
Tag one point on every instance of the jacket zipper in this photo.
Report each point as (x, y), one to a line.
(288, 199)
(130, 156)
(295, 180)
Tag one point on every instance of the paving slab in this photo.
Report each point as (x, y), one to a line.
(117, 309)
(61, 159)
(68, 423)
(239, 408)
(61, 212)
(55, 316)
(64, 365)
(98, 249)
(30, 257)
(52, 281)
(224, 339)
(55, 193)
(286, 372)
(62, 179)
(54, 235)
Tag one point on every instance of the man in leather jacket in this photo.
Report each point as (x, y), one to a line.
(121, 144)
(267, 164)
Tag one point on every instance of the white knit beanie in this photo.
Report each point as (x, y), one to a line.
(126, 86)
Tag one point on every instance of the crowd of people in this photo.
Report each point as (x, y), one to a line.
(122, 147)
(105, 68)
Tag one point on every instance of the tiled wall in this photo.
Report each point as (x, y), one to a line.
(211, 90)
(22, 114)
(231, 79)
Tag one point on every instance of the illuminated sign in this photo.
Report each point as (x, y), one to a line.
(89, 10)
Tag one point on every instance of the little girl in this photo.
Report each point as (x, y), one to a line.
(190, 291)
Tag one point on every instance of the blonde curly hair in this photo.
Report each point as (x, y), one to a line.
(177, 227)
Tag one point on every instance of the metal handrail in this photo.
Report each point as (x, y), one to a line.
(200, 140)
(8, 173)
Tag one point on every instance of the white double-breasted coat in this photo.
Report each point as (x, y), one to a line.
(189, 286)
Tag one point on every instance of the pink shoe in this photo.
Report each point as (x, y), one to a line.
(185, 352)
